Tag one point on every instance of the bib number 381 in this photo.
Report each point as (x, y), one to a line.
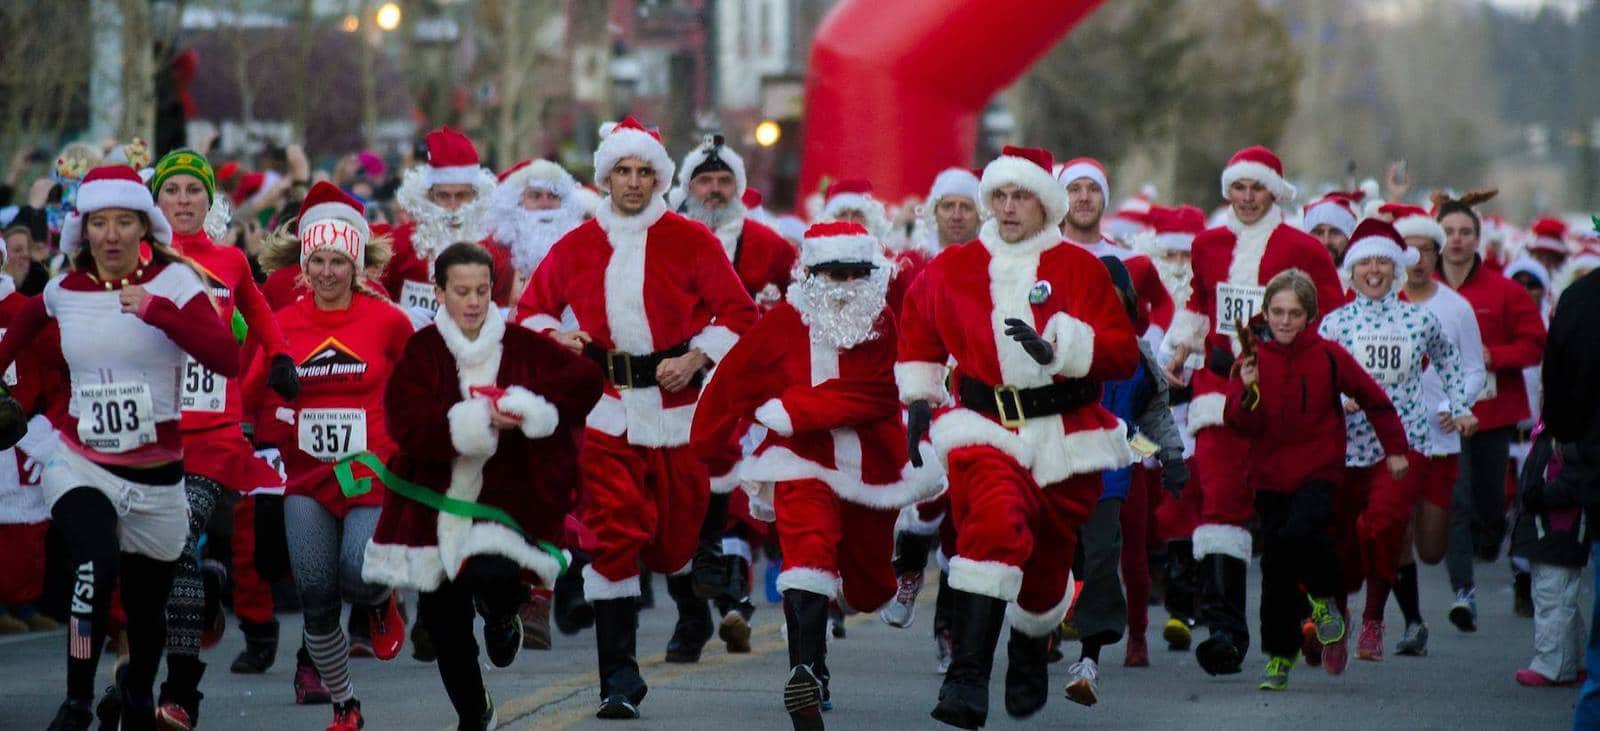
(1236, 302)
(332, 434)
(116, 417)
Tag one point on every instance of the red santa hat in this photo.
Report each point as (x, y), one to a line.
(1336, 209)
(1175, 228)
(953, 181)
(1028, 168)
(1588, 256)
(855, 194)
(1375, 237)
(752, 198)
(1259, 164)
(541, 174)
(1085, 167)
(629, 138)
(1549, 234)
(1531, 267)
(113, 186)
(451, 158)
(840, 243)
(714, 153)
(331, 219)
(1412, 220)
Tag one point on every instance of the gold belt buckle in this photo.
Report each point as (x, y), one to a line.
(612, 358)
(1000, 393)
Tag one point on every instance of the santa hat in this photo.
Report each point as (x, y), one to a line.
(113, 186)
(451, 158)
(249, 184)
(1530, 266)
(1261, 165)
(1335, 209)
(1085, 167)
(953, 181)
(855, 194)
(1549, 234)
(629, 138)
(1175, 228)
(714, 154)
(752, 198)
(541, 174)
(844, 244)
(1375, 237)
(1027, 168)
(1412, 220)
(1588, 257)
(331, 219)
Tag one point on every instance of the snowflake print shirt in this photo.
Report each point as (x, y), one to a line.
(1391, 339)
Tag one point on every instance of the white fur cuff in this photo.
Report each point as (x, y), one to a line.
(1225, 540)
(1041, 623)
(1188, 329)
(541, 322)
(989, 578)
(470, 432)
(1074, 343)
(921, 381)
(1206, 410)
(599, 588)
(773, 416)
(539, 417)
(715, 341)
(815, 581)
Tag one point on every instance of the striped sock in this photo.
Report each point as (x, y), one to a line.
(330, 653)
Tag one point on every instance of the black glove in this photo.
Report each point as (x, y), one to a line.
(13, 420)
(1041, 351)
(918, 416)
(1173, 476)
(283, 378)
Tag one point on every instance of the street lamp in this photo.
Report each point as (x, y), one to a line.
(350, 24)
(768, 132)
(389, 16)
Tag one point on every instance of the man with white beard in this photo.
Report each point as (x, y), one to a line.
(818, 373)
(532, 207)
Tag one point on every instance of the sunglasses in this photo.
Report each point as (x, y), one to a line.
(842, 275)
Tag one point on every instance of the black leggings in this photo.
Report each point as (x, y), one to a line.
(1296, 549)
(447, 613)
(88, 522)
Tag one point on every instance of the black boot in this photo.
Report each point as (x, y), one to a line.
(693, 629)
(735, 607)
(572, 612)
(647, 589)
(1182, 581)
(1222, 598)
(260, 648)
(182, 686)
(1027, 674)
(709, 572)
(806, 617)
(975, 624)
(616, 627)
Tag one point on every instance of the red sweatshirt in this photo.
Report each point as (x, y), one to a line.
(1514, 335)
(344, 358)
(1296, 429)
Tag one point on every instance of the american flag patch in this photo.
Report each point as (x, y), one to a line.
(80, 638)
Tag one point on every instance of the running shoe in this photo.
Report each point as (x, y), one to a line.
(347, 716)
(1414, 641)
(173, 717)
(72, 717)
(802, 699)
(387, 629)
(1085, 686)
(1464, 612)
(1329, 621)
(1177, 634)
(535, 617)
(1535, 679)
(1137, 654)
(1309, 646)
(617, 707)
(902, 610)
(734, 630)
(502, 637)
(308, 687)
(1276, 676)
(1370, 645)
(1336, 656)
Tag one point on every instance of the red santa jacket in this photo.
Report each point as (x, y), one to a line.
(409, 276)
(763, 259)
(445, 443)
(956, 309)
(1155, 306)
(1513, 333)
(642, 284)
(1296, 424)
(831, 415)
(908, 263)
(1232, 265)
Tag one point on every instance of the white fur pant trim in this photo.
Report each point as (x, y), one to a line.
(1043, 623)
(737, 547)
(1221, 539)
(989, 578)
(815, 581)
(598, 588)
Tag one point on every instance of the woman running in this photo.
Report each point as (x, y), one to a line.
(487, 421)
(131, 314)
(345, 341)
(1285, 397)
(1392, 340)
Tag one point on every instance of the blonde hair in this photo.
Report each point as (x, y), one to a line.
(282, 250)
(1295, 281)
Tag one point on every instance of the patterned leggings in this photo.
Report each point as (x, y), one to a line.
(186, 604)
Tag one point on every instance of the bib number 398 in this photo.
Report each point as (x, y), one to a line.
(333, 434)
(116, 417)
(1236, 302)
(1385, 356)
(203, 390)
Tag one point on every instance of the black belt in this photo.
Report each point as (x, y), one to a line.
(625, 370)
(1015, 405)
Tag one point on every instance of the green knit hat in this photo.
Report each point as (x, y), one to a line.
(184, 162)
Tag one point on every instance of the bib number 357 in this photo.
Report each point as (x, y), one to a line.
(332, 434)
(116, 417)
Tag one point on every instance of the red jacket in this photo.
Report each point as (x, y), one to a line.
(1296, 427)
(1514, 335)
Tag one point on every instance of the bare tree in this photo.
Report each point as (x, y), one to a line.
(138, 71)
(526, 76)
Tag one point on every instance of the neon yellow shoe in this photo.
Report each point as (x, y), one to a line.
(1329, 621)
(1276, 676)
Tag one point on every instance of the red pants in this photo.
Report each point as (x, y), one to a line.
(1176, 517)
(1014, 539)
(252, 596)
(743, 525)
(643, 503)
(1371, 513)
(1135, 547)
(22, 569)
(1220, 455)
(1437, 476)
(813, 523)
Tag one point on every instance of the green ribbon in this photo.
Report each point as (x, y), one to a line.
(240, 329)
(352, 487)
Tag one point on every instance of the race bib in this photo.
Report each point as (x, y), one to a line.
(1386, 356)
(1236, 302)
(11, 370)
(116, 417)
(333, 434)
(418, 294)
(203, 390)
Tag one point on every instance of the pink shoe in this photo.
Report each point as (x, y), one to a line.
(1534, 679)
(1336, 656)
(1370, 645)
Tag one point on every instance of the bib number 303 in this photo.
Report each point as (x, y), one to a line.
(116, 417)
(332, 434)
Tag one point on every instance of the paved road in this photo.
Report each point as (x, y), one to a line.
(883, 678)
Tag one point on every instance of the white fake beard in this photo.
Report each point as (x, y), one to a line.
(438, 228)
(714, 218)
(530, 234)
(1176, 276)
(841, 315)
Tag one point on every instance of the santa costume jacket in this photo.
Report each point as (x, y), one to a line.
(642, 284)
(958, 307)
(763, 259)
(409, 276)
(446, 444)
(831, 415)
